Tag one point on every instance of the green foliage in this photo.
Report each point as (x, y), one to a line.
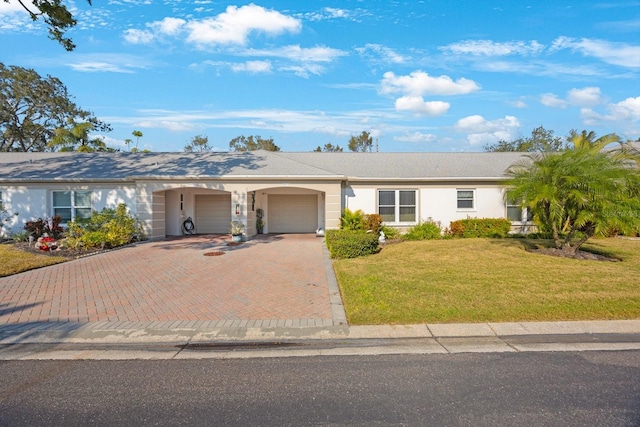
(352, 220)
(199, 143)
(329, 148)
(108, 228)
(390, 232)
(362, 142)
(351, 243)
(541, 140)
(480, 227)
(40, 226)
(56, 16)
(75, 137)
(580, 193)
(33, 108)
(427, 230)
(5, 217)
(252, 143)
(20, 236)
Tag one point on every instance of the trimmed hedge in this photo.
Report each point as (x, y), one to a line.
(350, 243)
(480, 227)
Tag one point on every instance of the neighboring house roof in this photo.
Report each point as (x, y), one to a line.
(257, 164)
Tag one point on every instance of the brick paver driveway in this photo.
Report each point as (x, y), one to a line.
(194, 278)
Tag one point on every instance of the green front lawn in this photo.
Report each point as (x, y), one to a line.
(13, 261)
(488, 280)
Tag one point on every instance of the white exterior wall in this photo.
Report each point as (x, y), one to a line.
(441, 203)
(36, 201)
(436, 201)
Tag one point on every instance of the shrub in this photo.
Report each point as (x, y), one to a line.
(350, 243)
(480, 227)
(372, 222)
(427, 230)
(390, 232)
(109, 227)
(351, 220)
(40, 226)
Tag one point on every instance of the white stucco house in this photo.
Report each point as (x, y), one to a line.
(299, 192)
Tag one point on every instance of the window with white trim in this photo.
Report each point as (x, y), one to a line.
(397, 206)
(515, 213)
(72, 205)
(466, 199)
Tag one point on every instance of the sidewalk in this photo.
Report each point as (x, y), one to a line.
(168, 340)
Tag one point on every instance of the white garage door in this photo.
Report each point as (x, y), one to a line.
(213, 214)
(289, 213)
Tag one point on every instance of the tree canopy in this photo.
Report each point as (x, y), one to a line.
(362, 142)
(580, 192)
(76, 137)
(199, 143)
(329, 148)
(33, 107)
(55, 15)
(541, 141)
(252, 143)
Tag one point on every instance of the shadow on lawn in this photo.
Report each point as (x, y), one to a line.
(591, 250)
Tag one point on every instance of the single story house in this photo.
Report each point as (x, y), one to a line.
(298, 192)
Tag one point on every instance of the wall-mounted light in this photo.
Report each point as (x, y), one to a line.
(237, 209)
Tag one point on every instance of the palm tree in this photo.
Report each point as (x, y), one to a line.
(138, 135)
(76, 138)
(578, 193)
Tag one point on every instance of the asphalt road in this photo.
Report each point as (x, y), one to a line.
(490, 389)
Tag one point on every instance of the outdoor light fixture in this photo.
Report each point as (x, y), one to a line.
(237, 209)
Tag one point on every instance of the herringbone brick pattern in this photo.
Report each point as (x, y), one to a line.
(275, 277)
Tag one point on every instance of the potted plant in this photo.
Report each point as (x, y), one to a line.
(237, 228)
(259, 220)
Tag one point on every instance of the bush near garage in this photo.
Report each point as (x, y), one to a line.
(351, 243)
(480, 227)
(108, 228)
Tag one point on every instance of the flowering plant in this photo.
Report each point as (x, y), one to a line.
(46, 243)
(237, 228)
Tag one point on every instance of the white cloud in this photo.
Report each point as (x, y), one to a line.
(135, 36)
(380, 52)
(235, 24)
(552, 100)
(418, 105)
(491, 48)
(231, 27)
(585, 97)
(108, 63)
(15, 7)
(482, 131)
(625, 114)
(253, 67)
(621, 54)
(419, 83)
(169, 26)
(416, 137)
(518, 103)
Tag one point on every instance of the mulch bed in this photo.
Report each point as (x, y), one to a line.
(68, 253)
(583, 255)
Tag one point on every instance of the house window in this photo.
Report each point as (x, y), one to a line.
(466, 199)
(397, 206)
(72, 205)
(516, 214)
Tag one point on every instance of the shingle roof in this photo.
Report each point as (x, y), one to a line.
(131, 166)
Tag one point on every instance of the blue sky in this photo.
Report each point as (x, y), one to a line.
(441, 75)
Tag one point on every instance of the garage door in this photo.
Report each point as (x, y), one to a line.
(293, 213)
(213, 214)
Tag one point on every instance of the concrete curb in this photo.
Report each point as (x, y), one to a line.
(159, 332)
